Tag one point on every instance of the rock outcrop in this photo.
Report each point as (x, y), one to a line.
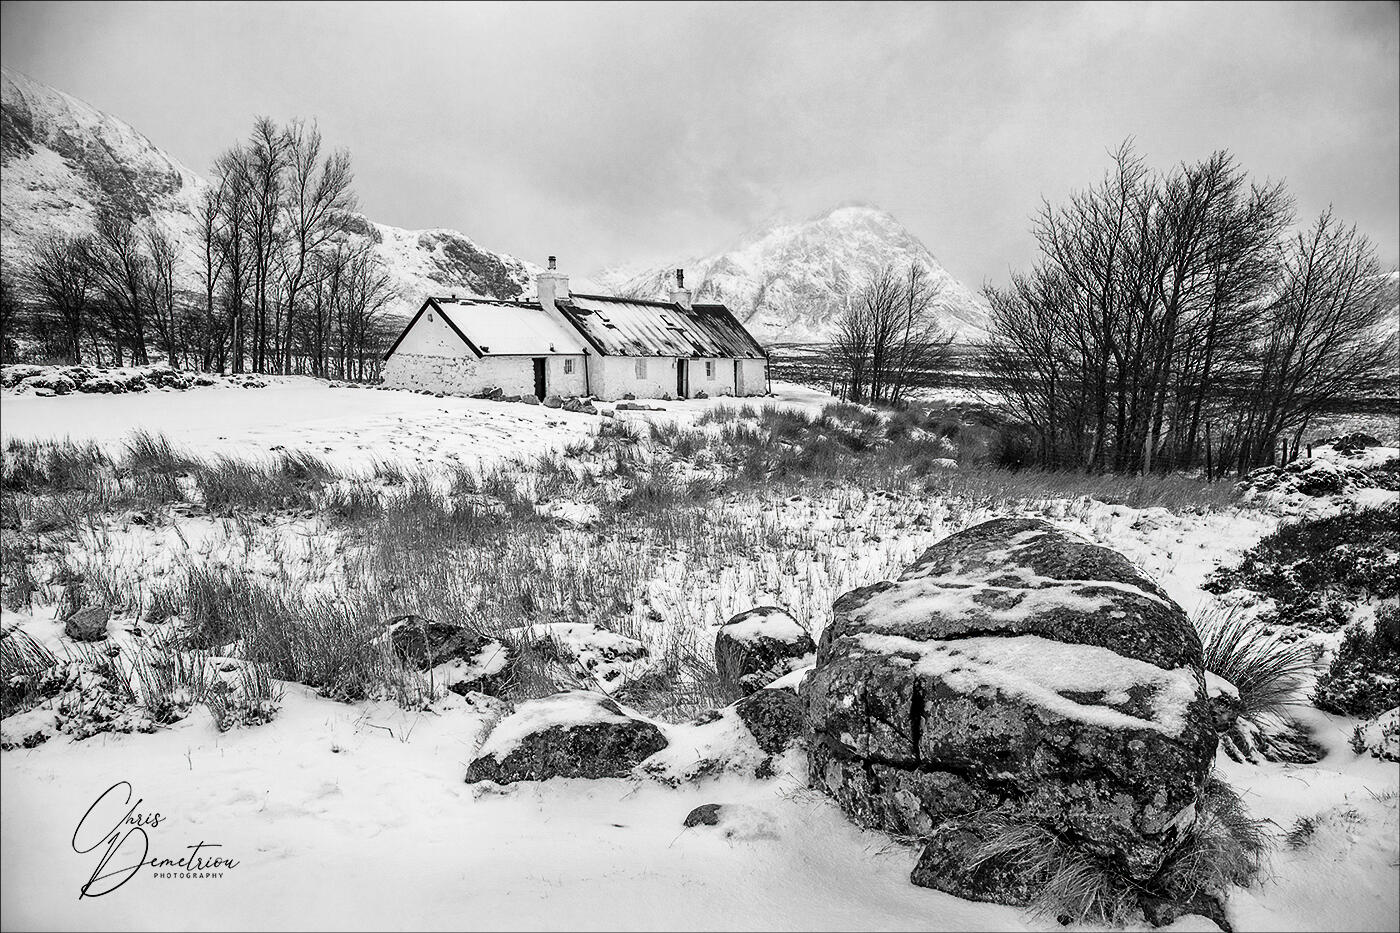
(1015, 673)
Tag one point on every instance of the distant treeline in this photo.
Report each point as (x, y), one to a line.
(278, 285)
(1171, 322)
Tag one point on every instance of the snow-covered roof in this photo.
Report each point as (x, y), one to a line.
(609, 326)
(634, 327)
(505, 328)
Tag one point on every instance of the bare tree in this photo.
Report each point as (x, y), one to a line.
(317, 198)
(60, 277)
(887, 338)
(10, 311)
(209, 339)
(267, 153)
(1320, 339)
(120, 271)
(162, 256)
(1136, 329)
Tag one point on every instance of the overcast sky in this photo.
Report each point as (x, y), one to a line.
(638, 133)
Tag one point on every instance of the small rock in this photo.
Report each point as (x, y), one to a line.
(425, 643)
(529, 399)
(774, 717)
(553, 401)
(707, 814)
(88, 623)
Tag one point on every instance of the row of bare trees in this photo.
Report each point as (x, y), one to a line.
(1173, 322)
(271, 282)
(887, 340)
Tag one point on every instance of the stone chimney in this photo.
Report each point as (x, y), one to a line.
(551, 286)
(680, 294)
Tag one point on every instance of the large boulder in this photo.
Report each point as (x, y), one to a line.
(756, 647)
(577, 734)
(1015, 673)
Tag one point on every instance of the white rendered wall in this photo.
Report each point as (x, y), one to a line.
(615, 376)
(753, 378)
(467, 375)
(431, 336)
(619, 377)
(721, 384)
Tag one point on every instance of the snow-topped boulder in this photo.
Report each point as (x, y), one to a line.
(756, 647)
(454, 657)
(1015, 669)
(578, 734)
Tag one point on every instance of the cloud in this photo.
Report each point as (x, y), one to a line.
(631, 133)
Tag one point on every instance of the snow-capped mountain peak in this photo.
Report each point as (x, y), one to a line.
(785, 279)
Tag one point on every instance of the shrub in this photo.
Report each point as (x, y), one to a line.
(153, 453)
(22, 659)
(1364, 678)
(1267, 671)
(1317, 570)
(50, 466)
(228, 484)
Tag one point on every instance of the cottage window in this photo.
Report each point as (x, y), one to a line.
(568, 367)
(641, 369)
(710, 369)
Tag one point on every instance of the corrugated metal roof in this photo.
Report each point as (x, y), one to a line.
(634, 327)
(499, 328)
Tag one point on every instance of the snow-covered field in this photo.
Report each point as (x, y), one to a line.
(356, 816)
(350, 427)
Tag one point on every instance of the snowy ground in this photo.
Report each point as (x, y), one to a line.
(357, 817)
(348, 427)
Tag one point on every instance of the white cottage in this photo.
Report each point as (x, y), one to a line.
(566, 344)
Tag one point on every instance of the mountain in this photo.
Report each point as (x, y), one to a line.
(785, 280)
(64, 160)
